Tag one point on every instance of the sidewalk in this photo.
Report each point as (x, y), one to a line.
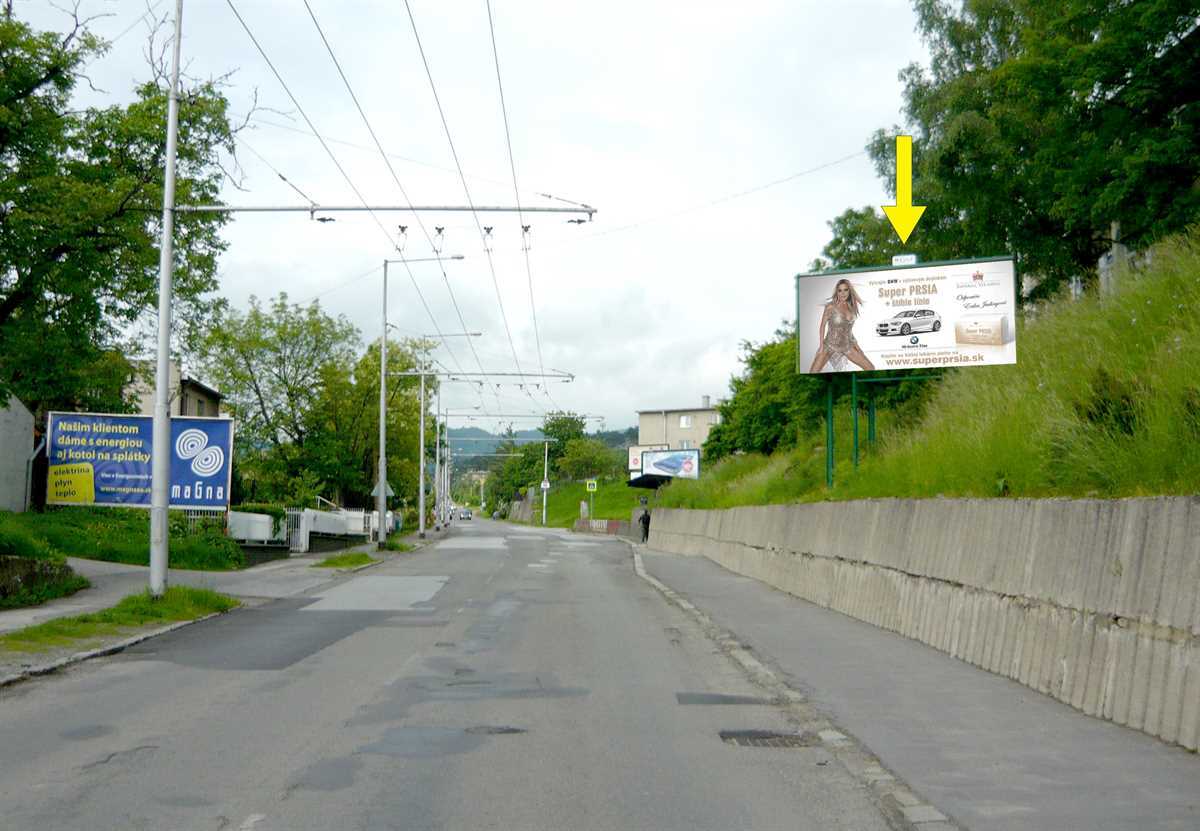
(113, 581)
(993, 754)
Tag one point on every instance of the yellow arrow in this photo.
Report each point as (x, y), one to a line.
(904, 214)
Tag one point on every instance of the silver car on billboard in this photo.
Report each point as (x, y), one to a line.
(909, 321)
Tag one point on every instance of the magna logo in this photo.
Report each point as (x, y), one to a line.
(193, 444)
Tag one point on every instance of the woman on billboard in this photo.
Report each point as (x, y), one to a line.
(837, 340)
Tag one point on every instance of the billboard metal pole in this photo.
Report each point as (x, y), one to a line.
(161, 442)
(854, 413)
(545, 478)
(829, 432)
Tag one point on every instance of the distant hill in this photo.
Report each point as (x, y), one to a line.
(466, 443)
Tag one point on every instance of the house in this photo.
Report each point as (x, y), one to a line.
(189, 397)
(679, 429)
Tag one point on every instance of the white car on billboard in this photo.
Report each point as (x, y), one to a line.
(909, 321)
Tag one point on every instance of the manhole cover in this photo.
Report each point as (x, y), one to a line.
(768, 738)
(493, 730)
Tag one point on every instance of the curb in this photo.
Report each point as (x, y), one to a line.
(111, 649)
(901, 808)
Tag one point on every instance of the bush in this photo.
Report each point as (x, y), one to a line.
(26, 581)
(122, 535)
(16, 541)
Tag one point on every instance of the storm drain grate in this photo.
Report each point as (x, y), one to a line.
(768, 738)
(494, 730)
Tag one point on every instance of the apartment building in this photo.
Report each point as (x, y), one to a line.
(680, 428)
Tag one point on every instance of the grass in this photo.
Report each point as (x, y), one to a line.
(612, 500)
(345, 561)
(178, 603)
(396, 544)
(121, 535)
(1103, 402)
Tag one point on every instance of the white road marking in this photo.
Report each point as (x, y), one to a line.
(249, 822)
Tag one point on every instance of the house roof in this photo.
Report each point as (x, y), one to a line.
(185, 381)
(678, 410)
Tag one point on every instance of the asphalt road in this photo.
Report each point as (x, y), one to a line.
(505, 678)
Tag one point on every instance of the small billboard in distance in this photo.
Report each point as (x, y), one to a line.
(635, 455)
(678, 464)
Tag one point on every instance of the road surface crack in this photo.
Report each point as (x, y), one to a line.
(117, 753)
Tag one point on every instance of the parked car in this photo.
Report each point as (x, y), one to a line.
(909, 321)
(464, 514)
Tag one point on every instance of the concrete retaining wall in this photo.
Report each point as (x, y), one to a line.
(1095, 602)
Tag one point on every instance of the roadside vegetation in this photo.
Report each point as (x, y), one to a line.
(31, 572)
(122, 535)
(397, 544)
(1103, 402)
(613, 499)
(178, 603)
(345, 561)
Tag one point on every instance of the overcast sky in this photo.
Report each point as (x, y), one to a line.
(650, 112)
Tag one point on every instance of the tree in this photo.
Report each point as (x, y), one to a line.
(1039, 124)
(274, 366)
(80, 218)
(586, 457)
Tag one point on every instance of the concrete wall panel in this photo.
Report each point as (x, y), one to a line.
(1092, 601)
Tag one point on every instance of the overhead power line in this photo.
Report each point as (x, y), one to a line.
(466, 188)
(312, 127)
(512, 166)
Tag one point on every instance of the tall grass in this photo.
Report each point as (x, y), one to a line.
(1104, 401)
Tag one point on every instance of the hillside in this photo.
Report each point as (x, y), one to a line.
(1104, 401)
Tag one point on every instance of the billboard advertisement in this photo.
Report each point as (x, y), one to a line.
(680, 464)
(635, 455)
(907, 317)
(99, 459)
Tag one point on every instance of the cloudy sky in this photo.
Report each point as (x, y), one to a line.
(661, 115)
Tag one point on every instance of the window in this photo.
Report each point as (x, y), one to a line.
(685, 444)
(199, 406)
(715, 418)
(685, 421)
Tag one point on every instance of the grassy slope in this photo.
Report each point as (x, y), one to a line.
(1104, 401)
(612, 500)
(122, 535)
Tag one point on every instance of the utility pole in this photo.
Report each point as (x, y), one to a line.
(437, 463)
(545, 478)
(381, 497)
(381, 486)
(161, 437)
(421, 467)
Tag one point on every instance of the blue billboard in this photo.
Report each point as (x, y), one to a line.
(98, 459)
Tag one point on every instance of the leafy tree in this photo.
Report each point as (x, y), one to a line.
(771, 404)
(80, 218)
(1038, 124)
(861, 238)
(272, 365)
(587, 457)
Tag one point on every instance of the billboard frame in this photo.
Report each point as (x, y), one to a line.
(878, 378)
(146, 506)
(865, 269)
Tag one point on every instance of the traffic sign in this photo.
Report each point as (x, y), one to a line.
(591, 484)
(390, 492)
(545, 484)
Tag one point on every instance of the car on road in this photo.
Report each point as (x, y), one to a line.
(909, 321)
(464, 514)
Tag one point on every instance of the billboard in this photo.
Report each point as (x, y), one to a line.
(959, 313)
(635, 455)
(100, 459)
(680, 464)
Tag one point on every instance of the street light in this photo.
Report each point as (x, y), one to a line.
(382, 486)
